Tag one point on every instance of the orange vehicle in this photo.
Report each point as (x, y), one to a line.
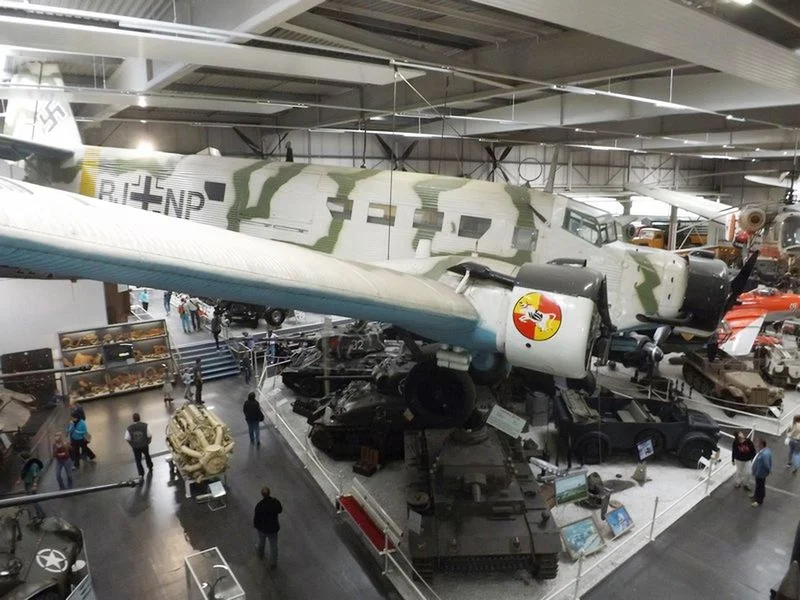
(655, 237)
(774, 304)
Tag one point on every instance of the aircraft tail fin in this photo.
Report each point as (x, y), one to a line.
(45, 116)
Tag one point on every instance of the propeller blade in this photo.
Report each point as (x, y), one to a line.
(409, 150)
(249, 142)
(503, 173)
(661, 334)
(490, 152)
(505, 153)
(387, 149)
(739, 283)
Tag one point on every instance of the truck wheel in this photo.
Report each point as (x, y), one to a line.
(322, 438)
(692, 450)
(658, 441)
(591, 449)
(275, 317)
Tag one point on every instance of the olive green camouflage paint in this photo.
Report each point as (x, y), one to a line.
(645, 289)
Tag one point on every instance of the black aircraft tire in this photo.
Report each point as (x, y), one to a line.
(439, 397)
(275, 317)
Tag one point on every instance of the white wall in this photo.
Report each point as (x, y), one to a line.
(34, 311)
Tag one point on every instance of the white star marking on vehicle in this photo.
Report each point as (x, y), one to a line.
(51, 560)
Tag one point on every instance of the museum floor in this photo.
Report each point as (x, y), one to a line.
(137, 538)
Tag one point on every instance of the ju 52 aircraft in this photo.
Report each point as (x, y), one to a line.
(503, 275)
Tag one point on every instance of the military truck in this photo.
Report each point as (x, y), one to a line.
(731, 383)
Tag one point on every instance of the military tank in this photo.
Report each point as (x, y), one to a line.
(480, 506)
(351, 353)
(40, 557)
(200, 442)
(731, 383)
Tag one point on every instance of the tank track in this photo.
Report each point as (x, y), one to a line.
(545, 566)
(477, 564)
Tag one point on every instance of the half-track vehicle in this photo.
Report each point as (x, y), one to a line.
(595, 426)
(777, 364)
(731, 383)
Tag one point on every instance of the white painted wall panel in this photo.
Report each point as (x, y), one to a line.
(33, 311)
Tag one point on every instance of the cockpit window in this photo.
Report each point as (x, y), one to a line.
(587, 228)
(790, 232)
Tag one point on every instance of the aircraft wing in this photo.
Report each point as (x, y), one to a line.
(707, 209)
(54, 232)
(773, 181)
(13, 148)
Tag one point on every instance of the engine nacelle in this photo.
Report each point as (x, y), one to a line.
(554, 318)
(752, 219)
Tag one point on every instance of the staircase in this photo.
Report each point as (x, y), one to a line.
(215, 365)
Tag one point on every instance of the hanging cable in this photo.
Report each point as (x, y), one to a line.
(391, 171)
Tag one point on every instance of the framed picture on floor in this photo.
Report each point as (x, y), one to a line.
(619, 521)
(582, 538)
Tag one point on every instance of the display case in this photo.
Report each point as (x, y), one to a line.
(208, 575)
(123, 358)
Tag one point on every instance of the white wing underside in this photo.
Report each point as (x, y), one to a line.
(65, 234)
(699, 206)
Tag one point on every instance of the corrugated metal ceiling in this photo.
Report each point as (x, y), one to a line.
(144, 9)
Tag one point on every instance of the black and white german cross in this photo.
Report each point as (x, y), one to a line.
(145, 196)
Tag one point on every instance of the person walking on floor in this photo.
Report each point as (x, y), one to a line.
(183, 312)
(86, 451)
(265, 520)
(793, 441)
(272, 345)
(191, 304)
(61, 455)
(139, 438)
(78, 439)
(169, 376)
(254, 417)
(187, 385)
(762, 467)
(144, 299)
(167, 302)
(216, 327)
(197, 376)
(742, 453)
(30, 475)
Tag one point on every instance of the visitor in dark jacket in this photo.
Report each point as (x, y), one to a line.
(254, 416)
(265, 520)
(742, 452)
(762, 467)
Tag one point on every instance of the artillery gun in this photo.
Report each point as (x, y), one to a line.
(40, 557)
(201, 444)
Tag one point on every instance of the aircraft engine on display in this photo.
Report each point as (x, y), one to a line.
(201, 444)
(752, 219)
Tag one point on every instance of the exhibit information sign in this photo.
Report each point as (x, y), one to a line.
(506, 421)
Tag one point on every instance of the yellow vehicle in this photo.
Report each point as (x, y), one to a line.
(655, 237)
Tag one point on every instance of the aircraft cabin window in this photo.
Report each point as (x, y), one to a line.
(473, 227)
(340, 207)
(381, 214)
(583, 226)
(525, 238)
(427, 218)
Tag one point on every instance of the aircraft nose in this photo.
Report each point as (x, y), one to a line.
(707, 292)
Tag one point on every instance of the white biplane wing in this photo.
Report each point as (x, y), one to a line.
(708, 209)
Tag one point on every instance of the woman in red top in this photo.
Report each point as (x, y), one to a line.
(61, 454)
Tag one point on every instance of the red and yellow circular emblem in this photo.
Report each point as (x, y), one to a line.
(537, 317)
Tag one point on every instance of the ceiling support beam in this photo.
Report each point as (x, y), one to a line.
(671, 29)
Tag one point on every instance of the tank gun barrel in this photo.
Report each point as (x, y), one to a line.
(35, 498)
(46, 371)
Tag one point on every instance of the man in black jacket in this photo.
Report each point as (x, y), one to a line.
(139, 438)
(742, 453)
(265, 520)
(254, 416)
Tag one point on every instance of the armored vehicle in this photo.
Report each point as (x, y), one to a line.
(480, 506)
(732, 383)
(249, 314)
(780, 366)
(351, 354)
(593, 427)
(40, 557)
